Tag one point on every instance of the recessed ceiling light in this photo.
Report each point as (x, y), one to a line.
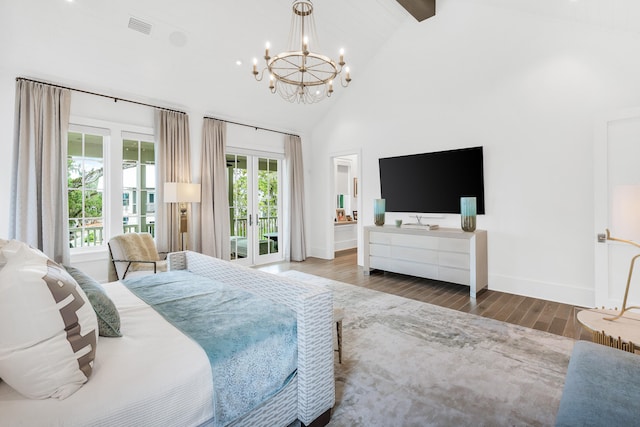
(238, 62)
(178, 39)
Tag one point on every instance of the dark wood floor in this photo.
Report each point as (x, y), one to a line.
(534, 313)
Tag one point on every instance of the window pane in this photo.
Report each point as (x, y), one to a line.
(147, 153)
(138, 179)
(74, 172)
(148, 176)
(93, 232)
(148, 205)
(130, 150)
(93, 146)
(92, 173)
(75, 144)
(75, 204)
(93, 204)
(85, 181)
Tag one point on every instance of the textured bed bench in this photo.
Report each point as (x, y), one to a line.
(602, 387)
(311, 395)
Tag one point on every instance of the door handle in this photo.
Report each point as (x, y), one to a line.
(250, 219)
(602, 237)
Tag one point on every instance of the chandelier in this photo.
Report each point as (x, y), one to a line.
(298, 74)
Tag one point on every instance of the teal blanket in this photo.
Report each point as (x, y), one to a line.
(251, 342)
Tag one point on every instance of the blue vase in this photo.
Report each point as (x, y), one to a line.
(378, 211)
(468, 213)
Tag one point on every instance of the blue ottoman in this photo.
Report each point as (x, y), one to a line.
(602, 387)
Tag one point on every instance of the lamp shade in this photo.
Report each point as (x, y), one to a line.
(625, 211)
(181, 192)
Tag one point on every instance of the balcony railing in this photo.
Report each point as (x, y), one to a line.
(265, 225)
(89, 236)
(94, 236)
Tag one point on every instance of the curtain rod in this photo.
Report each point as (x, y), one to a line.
(115, 99)
(251, 126)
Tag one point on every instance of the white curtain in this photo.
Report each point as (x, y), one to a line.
(295, 249)
(214, 209)
(38, 214)
(172, 165)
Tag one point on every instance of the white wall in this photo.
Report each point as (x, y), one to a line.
(525, 87)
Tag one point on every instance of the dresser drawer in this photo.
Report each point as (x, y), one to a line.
(412, 241)
(454, 259)
(414, 254)
(454, 245)
(454, 275)
(380, 238)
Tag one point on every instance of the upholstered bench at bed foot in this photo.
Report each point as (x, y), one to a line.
(602, 387)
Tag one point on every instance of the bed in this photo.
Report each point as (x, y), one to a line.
(155, 375)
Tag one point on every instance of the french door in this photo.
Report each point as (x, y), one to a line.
(255, 208)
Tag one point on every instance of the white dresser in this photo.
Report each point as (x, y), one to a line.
(447, 254)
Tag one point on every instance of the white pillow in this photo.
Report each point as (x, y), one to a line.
(48, 330)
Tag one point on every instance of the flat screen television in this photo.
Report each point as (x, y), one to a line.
(432, 182)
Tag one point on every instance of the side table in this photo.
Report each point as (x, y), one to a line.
(622, 333)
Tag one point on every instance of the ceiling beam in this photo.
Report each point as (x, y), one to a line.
(419, 9)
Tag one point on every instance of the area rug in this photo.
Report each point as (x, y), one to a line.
(408, 363)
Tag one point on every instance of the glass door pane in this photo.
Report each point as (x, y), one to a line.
(267, 203)
(238, 180)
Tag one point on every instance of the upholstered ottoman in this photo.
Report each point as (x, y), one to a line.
(602, 387)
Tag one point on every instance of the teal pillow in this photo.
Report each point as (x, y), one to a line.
(108, 317)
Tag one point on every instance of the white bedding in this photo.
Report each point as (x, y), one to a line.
(152, 376)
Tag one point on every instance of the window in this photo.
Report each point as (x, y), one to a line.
(111, 180)
(85, 171)
(138, 184)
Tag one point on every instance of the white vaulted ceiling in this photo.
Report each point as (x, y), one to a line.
(188, 61)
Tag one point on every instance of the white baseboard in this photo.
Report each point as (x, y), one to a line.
(320, 252)
(557, 292)
(345, 244)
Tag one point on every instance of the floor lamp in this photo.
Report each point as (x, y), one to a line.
(626, 217)
(182, 193)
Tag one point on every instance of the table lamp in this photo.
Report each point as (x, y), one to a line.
(182, 193)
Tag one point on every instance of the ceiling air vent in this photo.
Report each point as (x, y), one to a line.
(139, 25)
(420, 9)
